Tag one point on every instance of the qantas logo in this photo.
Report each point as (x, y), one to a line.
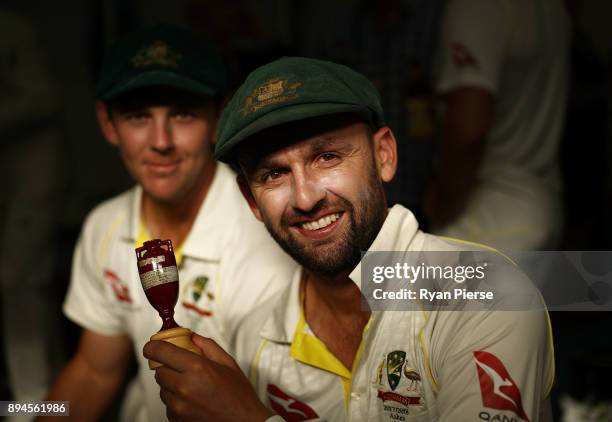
(287, 407)
(499, 391)
(462, 57)
(121, 291)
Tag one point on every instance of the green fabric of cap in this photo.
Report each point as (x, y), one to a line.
(292, 89)
(162, 55)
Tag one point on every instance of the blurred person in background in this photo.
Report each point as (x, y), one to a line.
(503, 80)
(31, 166)
(159, 95)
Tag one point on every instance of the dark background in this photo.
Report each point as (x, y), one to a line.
(73, 35)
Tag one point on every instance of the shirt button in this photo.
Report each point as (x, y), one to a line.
(355, 396)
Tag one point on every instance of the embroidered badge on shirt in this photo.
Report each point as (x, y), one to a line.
(195, 290)
(404, 381)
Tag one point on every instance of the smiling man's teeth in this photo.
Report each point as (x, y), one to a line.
(321, 222)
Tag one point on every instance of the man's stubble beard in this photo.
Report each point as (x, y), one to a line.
(345, 253)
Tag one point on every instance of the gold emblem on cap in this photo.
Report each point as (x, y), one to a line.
(273, 91)
(158, 53)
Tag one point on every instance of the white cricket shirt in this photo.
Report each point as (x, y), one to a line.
(411, 365)
(228, 265)
(517, 50)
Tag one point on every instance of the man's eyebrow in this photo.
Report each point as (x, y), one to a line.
(321, 144)
(315, 146)
(265, 164)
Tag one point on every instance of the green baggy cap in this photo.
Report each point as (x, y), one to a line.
(292, 89)
(162, 55)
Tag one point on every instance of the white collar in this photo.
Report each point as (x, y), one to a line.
(397, 233)
(221, 205)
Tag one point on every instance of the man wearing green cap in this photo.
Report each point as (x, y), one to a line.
(314, 152)
(159, 95)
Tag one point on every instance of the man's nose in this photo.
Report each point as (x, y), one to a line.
(307, 193)
(162, 140)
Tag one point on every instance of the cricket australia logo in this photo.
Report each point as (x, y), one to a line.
(195, 290)
(158, 53)
(396, 365)
(395, 361)
(273, 91)
(199, 286)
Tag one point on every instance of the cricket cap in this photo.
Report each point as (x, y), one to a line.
(162, 55)
(292, 89)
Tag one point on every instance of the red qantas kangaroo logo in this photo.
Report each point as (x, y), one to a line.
(499, 391)
(462, 57)
(121, 291)
(289, 408)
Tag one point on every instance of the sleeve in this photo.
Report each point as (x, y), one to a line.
(88, 301)
(494, 362)
(473, 35)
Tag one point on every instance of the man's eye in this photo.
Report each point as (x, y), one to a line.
(184, 115)
(136, 117)
(328, 156)
(271, 175)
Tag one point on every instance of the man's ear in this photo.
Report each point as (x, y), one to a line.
(248, 195)
(385, 153)
(106, 124)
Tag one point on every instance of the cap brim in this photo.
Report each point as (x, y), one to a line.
(292, 113)
(159, 78)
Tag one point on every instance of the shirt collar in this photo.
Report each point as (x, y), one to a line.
(129, 231)
(221, 208)
(281, 324)
(221, 204)
(397, 233)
